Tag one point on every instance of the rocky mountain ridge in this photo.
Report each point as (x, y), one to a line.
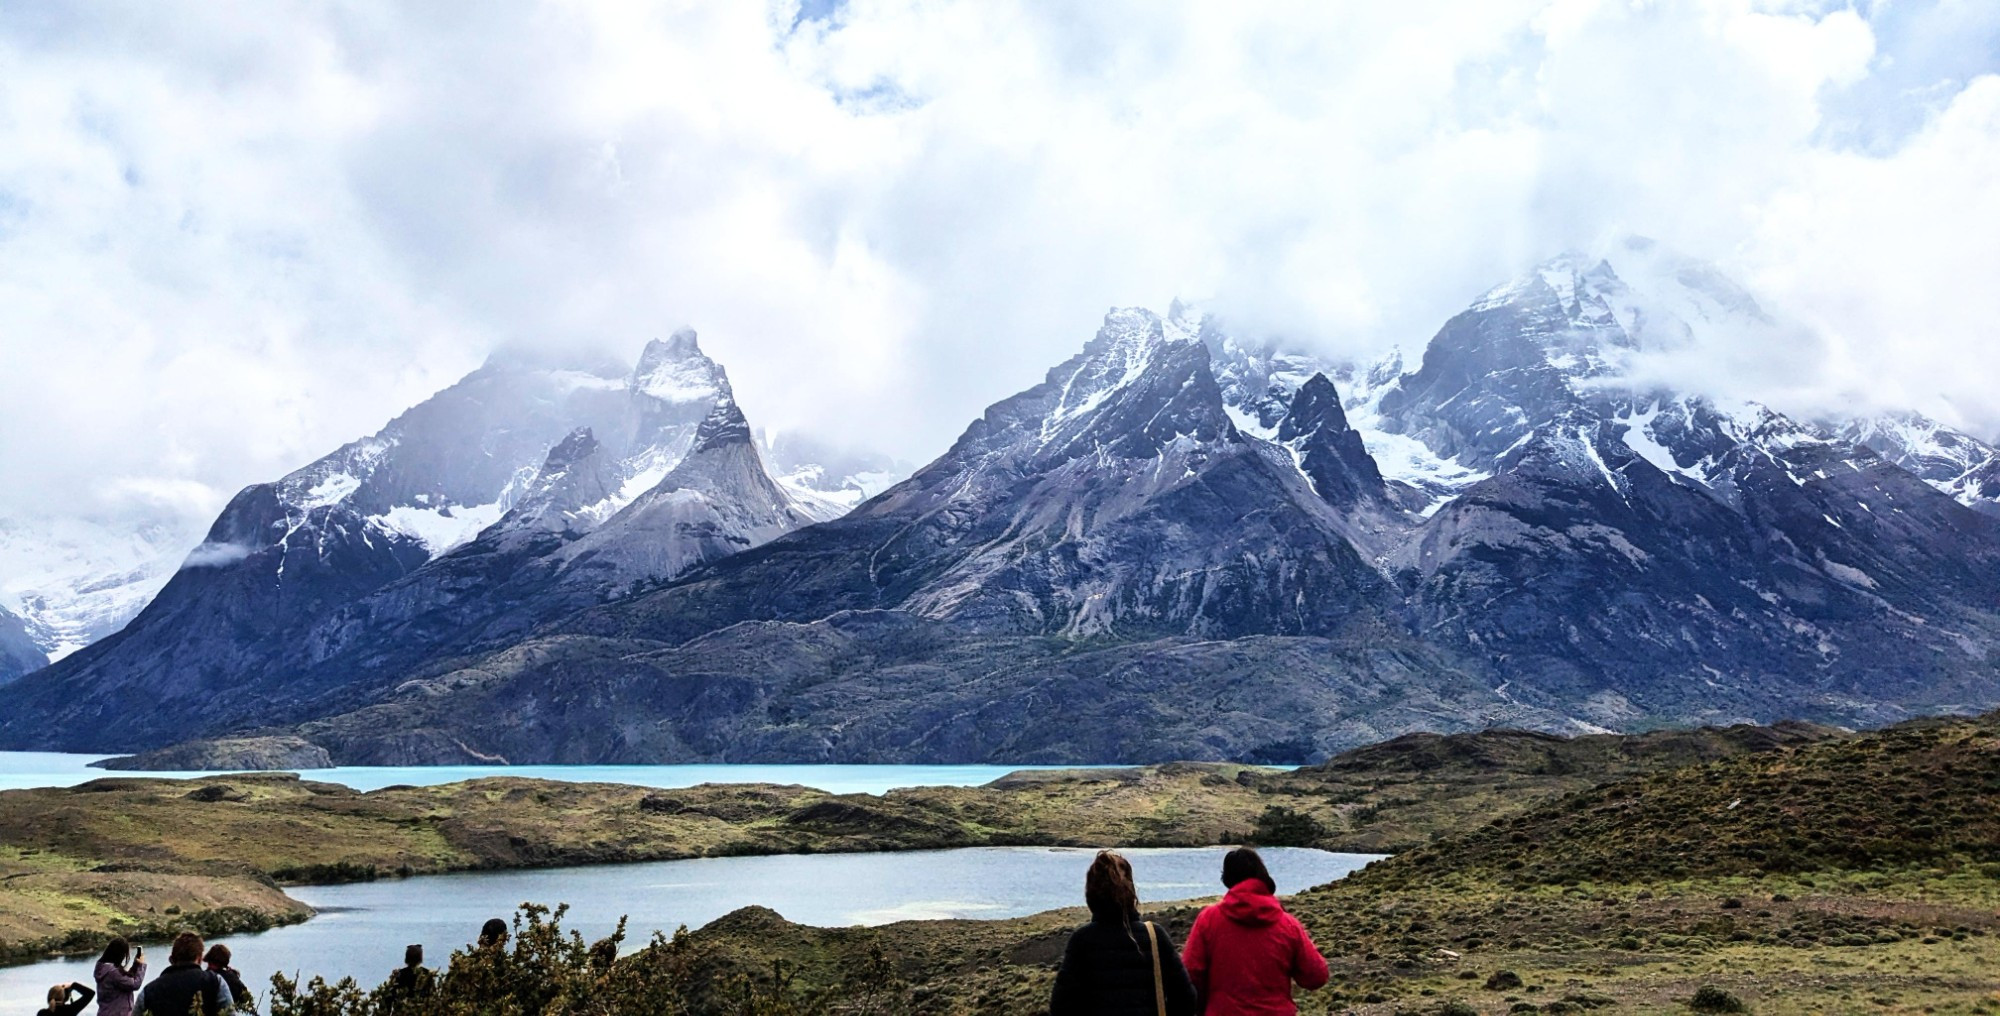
(410, 541)
(1183, 544)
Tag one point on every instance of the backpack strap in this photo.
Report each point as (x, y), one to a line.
(1159, 983)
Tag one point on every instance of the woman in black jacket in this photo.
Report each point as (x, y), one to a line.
(67, 1000)
(1118, 964)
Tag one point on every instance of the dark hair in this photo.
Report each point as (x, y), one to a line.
(186, 948)
(1242, 864)
(413, 955)
(218, 955)
(116, 951)
(1108, 890)
(493, 932)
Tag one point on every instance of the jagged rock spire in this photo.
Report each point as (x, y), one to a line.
(1330, 452)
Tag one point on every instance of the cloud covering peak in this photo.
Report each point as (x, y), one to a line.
(231, 239)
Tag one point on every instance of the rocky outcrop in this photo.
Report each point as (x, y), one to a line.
(232, 754)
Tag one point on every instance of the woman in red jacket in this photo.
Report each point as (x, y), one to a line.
(1245, 952)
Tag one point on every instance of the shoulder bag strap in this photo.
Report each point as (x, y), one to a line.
(1159, 983)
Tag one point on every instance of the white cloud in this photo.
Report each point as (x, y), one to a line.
(233, 238)
(215, 555)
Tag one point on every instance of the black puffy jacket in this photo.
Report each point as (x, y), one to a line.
(1107, 970)
(178, 989)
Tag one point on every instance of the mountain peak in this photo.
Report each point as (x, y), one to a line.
(573, 478)
(681, 345)
(1329, 451)
(724, 425)
(1138, 385)
(1315, 407)
(575, 447)
(676, 370)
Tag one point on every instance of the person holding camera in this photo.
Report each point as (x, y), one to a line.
(117, 979)
(67, 1000)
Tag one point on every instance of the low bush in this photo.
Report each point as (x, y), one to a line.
(550, 972)
(1709, 998)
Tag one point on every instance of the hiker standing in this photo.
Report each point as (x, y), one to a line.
(1244, 953)
(1119, 964)
(184, 987)
(239, 994)
(67, 1000)
(116, 982)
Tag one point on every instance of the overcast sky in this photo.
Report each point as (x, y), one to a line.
(234, 236)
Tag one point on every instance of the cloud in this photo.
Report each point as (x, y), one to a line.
(215, 555)
(231, 241)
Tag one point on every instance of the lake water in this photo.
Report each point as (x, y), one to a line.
(362, 928)
(24, 769)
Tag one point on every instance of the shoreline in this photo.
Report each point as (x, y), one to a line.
(217, 924)
(71, 843)
(140, 852)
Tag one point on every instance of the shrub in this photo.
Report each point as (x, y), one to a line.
(1503, 980)
(550, 972)
(1280, 826)
(1709, 998)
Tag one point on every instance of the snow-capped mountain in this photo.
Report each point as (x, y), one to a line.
(1523, 511)
(73, 580)
(716, 501)
(1952, 461)
(1104, 565)
(1586, 321)
(1184, 543)
(554, 553)
(1640, 552)
(485, 482)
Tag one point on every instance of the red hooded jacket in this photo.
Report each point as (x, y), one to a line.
(1244, 953)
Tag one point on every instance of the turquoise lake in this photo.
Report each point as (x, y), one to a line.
(23, 769)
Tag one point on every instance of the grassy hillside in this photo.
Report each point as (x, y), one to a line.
(146, 854)
(1855, 876)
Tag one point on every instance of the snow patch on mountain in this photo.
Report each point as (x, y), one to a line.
(1638, 436)
(1404, 457)
(443, 528)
